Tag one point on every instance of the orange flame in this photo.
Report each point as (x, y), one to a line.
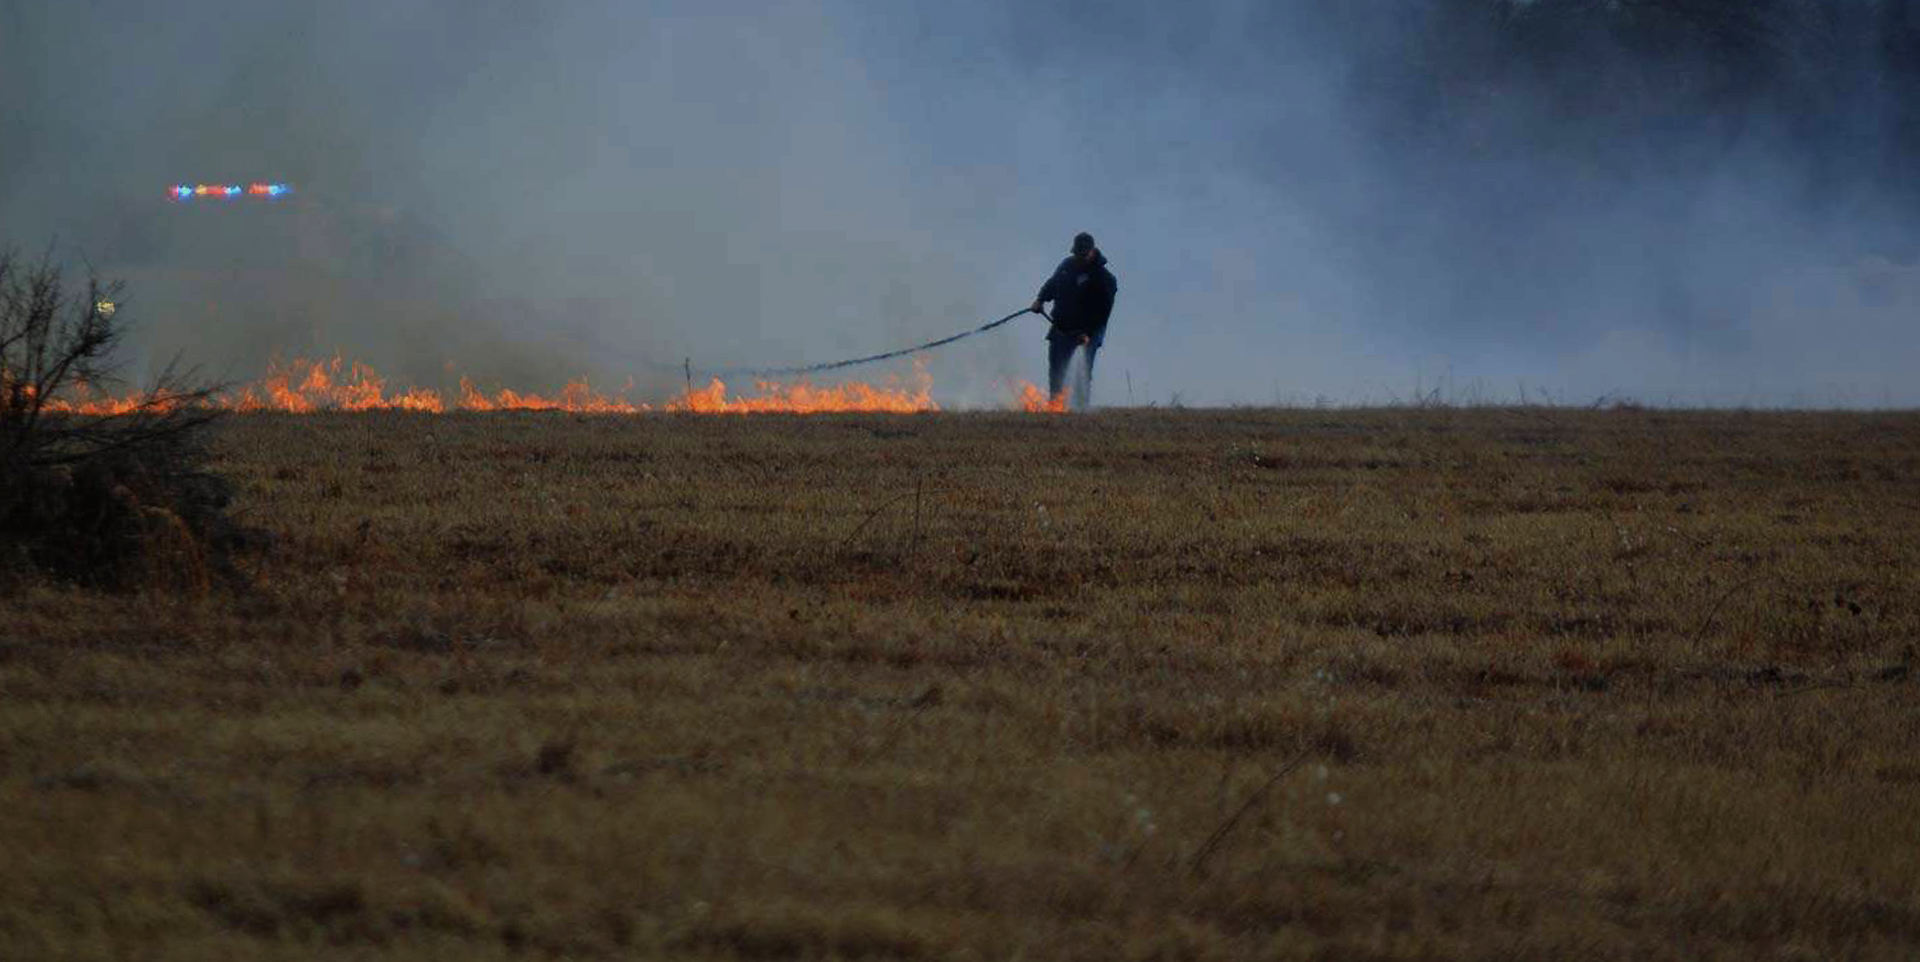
(1035, 401)
(301, 386)
(890, 397)
(577, 398)
(84, 400)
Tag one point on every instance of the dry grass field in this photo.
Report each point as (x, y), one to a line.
(1404, 684)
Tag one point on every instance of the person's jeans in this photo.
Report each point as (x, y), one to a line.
(1059, 359)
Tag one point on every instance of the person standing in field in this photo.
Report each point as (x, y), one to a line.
(1082, 291)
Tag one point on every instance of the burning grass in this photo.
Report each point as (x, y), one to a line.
(1631, 683)
(303, 386)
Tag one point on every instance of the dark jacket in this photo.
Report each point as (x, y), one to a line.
(1082, 296)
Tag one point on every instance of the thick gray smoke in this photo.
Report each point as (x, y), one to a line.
(1302, 200)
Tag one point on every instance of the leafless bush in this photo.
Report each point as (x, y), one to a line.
(112, 494)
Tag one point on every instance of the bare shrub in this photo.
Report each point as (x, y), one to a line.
(109, 495)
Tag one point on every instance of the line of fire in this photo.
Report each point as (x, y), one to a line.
(305, 386)
(308, 385)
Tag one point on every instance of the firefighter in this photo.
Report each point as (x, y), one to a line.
(1082, 291)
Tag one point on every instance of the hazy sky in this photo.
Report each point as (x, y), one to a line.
(532, 191)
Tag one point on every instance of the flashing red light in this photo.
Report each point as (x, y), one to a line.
(185, 191)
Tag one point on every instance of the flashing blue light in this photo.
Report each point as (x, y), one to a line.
(223, 191)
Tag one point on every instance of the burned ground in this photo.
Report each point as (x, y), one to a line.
(1554, 684)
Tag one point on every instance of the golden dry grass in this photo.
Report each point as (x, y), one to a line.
(1559, 685)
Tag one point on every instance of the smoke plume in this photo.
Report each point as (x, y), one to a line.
(1678, 202)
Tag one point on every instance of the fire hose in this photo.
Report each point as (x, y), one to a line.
(855, 361)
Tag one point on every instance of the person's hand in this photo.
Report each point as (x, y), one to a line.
(1036, 308)
(1086, 339)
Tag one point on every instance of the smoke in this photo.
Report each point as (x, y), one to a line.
(1302, 200)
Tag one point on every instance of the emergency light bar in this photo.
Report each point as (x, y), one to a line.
(222, 191)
